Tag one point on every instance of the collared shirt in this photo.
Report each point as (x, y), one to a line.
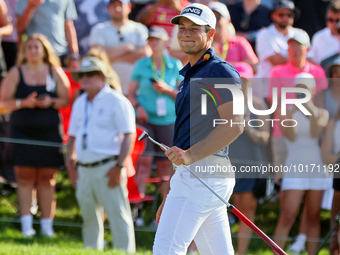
(109, 116)
(147, 95)
(238, 49)
(49, 19)
(324, 45)
(283, 76)
(269, 42)
(108, 35)
(188, 128)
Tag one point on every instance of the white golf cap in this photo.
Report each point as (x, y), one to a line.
(197, 13)
(158, 32)
(306, 79)
(221, 9)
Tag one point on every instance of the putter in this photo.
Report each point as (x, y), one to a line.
(232, 208)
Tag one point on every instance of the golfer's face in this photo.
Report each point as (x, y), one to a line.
(192, 38)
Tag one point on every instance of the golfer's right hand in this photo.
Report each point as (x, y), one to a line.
(159, 212)
(178, 156)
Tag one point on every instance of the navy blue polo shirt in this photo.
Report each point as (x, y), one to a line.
(187, 130)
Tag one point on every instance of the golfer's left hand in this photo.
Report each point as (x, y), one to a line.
(178, 156)
(115, 177)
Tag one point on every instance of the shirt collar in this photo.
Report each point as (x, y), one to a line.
(101, 93)
(305, 69)
(209, 54)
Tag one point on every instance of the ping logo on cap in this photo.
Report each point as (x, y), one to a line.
(193, 10)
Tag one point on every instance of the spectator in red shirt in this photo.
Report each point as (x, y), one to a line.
(161, 13)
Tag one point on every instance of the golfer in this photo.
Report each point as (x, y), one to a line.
(190, 211)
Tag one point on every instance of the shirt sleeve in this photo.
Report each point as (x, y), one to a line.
(247, 50)
(135, 76)
(96, 36)
(20, 7)
(125, 116)
(74, 124)
(71, 13)
(143, 34)
(321, 79)
(264, 45)
(229, 76)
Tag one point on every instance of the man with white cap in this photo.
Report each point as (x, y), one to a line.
(190, 211)
(231, 48)
(102, 134)
(282, 76)
(123, 40)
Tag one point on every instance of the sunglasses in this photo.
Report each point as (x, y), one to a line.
(332, 20)
(89, 74)
(121, 36)
(283, 14)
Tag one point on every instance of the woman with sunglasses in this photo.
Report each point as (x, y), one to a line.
(34, 90)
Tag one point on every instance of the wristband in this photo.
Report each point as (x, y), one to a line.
(18, 103)
(137, 105)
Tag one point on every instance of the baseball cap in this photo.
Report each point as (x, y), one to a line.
(221, 9)
(244, 69)
(301, 38)
(158, 32)
(306, 79)
(123, 1)
(329, 69)
(90, 64)
(283, 4)
(197, 13)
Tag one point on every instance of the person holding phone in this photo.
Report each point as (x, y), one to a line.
(33, 91)
(152, 92)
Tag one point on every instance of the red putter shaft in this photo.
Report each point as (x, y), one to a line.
(258, 231)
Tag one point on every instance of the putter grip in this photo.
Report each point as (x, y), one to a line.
(258, 231)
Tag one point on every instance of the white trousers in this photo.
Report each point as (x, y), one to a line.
(192, 212)
(94, 197)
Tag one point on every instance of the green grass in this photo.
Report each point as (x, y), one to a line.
(67, 239)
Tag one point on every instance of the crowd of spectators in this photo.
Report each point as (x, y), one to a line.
(274, 44)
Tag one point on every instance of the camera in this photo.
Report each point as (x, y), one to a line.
(300, 95)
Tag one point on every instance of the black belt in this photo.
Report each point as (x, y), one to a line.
(97, 163)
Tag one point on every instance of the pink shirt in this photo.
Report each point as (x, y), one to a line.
(283, 76)
(238, 50)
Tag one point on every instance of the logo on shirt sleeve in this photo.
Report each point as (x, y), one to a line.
(193, 10)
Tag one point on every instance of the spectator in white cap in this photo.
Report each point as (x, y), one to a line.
(303, 149)
(231, 48)
(123, 40)
(152, 92)
(190, 211)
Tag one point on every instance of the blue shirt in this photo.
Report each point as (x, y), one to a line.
(147, 95)
(190, 126)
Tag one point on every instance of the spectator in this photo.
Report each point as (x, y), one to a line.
(102, 134)
(330, 152)
(271, 43)
(229, 47)
(9, 42)
(303, 149)
(325, 43)
(160, 13)
(248, 17)
(282, 76)
(156, 79)
(246, 150)
(34, 91)
(54, 19)
(123, 40)
(311, 15)
(90, 13)
(329, 99)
